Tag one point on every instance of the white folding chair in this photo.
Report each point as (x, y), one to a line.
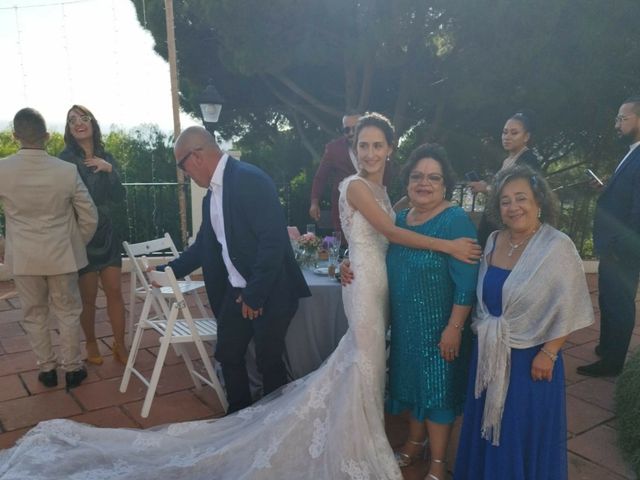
(176, 327)
(137, 288)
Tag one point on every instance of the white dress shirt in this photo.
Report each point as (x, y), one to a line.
(217, 222)
(632, 147)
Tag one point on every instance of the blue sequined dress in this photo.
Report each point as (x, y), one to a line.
(423, 287)
(533, 442)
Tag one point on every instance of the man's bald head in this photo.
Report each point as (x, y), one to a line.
(193, 137)
(198, 154)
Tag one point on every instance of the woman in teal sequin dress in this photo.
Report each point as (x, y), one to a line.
(431, 296)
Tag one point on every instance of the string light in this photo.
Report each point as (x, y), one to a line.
(65, 43)
(116, 56)
(53, 4)
(21, 57)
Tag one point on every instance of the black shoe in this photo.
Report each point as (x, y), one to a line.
(75, 378)
(598, 350)
(599, 369)
(49, 379)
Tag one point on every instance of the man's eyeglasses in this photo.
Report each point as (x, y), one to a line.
(432, 178)
(348, 130)
(81, 118)
(622, 118)
(184, 159)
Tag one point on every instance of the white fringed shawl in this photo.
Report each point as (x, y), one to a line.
(545, 297)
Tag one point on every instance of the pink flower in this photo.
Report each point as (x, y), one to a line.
(308, 241)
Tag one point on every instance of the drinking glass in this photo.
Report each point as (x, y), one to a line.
(334, 249)
(311, 228)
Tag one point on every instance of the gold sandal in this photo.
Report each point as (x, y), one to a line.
(119, 353)
(404, 459)
(94, 359)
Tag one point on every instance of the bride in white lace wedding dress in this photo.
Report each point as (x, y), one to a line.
(327, 425)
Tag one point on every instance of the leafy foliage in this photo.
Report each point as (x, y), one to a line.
(445, 71)
(145, 157)
(8, 144)
(458, 67)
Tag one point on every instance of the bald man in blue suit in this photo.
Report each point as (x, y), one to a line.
(252, 279)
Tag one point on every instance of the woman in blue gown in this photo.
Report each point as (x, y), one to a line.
(532, 293)
(430, 295)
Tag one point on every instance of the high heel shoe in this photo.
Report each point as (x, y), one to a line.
(93, 353)
(404, 459)
(431, 476)
(119, 353)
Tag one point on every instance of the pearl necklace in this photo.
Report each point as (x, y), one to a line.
(514, 246)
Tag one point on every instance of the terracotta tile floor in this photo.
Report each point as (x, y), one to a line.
(24, 401)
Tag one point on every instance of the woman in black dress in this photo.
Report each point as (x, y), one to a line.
(516, 136)
(84, 148)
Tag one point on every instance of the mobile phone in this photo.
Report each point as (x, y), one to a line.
(593, 176)
(472, 176)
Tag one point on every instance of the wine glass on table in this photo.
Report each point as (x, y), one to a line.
(334, 252)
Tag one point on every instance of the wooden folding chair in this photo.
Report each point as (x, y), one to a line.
(176, 327)
(137, 288)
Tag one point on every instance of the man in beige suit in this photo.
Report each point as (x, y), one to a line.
(50, 218)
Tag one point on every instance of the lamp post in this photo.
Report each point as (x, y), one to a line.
(210, 102)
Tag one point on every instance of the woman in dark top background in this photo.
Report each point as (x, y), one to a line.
(516, 137)
(84, 148)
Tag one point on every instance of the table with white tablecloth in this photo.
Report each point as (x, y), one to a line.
(317, 327)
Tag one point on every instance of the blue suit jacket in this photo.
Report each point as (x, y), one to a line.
(616, 226)
(257, 239)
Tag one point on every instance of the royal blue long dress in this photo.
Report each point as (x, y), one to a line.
(533, 433)
(423, 287)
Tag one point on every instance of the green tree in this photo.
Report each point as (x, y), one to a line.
(8, 144)
(145, 160)
(449, 71)
(459, 67)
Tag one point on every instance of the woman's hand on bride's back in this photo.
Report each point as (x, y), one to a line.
(346, 274)
(466, 250)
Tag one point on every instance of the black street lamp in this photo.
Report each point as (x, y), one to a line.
(210, 102)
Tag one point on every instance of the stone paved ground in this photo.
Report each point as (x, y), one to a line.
(24, 402)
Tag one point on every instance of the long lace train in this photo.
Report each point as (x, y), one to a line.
(327, 425)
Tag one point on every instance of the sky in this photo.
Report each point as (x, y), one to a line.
(56, 53)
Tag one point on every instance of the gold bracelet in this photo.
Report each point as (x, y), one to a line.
(552, 356)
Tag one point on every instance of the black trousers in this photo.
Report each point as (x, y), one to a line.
(268, 332)
(617, 285)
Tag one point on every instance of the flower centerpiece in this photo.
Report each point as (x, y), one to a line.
(307, 247)
(309, 242)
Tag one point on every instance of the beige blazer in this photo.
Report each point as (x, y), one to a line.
(49, 214)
